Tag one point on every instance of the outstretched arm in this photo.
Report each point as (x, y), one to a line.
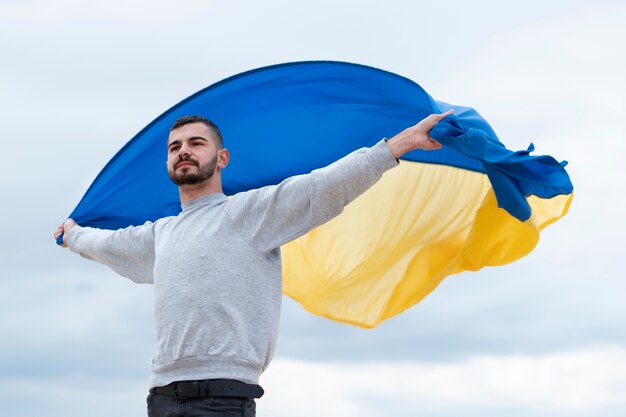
(272, 216)
(129, 251)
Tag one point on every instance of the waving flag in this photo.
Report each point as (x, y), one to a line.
(469, 205)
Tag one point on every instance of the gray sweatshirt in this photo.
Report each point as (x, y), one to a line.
(216, 267)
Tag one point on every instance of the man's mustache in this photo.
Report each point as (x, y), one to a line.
(186, 159)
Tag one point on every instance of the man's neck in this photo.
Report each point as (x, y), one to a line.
(191, 192)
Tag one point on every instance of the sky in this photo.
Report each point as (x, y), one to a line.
(542, 336)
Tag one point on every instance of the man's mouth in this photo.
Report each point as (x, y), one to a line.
(185, 163)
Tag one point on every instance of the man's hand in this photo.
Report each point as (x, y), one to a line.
(416, 137)
(63, 228)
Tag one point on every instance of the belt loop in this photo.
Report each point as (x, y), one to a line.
(204, 388)
(178, 387)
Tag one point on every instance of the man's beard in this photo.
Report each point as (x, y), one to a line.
(203, 173)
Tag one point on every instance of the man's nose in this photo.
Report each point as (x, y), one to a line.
(184, 150)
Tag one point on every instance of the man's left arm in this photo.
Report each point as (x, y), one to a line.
(272, 216)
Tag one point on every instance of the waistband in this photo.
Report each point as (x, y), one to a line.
(209, 388)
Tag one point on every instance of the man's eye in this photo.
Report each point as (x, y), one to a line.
(173, 148)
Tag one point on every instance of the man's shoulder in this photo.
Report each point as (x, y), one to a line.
(158, 223)
(163, 220)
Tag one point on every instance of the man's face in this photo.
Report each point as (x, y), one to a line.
(191, 154)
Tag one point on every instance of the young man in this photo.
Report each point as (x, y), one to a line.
(216, 266)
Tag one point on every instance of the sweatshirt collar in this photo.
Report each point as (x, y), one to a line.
(204, 200)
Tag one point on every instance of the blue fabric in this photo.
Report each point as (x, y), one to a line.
(289, 119)
(513, 175)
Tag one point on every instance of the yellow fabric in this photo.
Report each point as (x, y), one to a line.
(393, 245)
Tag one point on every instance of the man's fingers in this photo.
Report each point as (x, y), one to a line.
(60, 231)
(433, 119)
(441, 116)
(448, 113)
(435, 145)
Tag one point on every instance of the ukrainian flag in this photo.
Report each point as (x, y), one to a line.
(469, 205)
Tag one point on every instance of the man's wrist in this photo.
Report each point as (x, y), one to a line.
(399, 145)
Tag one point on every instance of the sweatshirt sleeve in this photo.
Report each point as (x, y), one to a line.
(272, 216)
(129, 251)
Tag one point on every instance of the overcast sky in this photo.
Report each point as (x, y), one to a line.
(543, 336)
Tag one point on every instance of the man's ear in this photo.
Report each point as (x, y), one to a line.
(223, 156)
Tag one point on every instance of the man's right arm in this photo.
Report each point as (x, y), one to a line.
(129, 251)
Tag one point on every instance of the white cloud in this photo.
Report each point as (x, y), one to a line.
(573, 383)
(73, 320)
(73, 395)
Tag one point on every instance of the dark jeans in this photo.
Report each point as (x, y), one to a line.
(164, 406)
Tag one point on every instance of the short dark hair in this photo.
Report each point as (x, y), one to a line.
(185, 120)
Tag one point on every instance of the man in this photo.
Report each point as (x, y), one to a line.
(216, 266)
